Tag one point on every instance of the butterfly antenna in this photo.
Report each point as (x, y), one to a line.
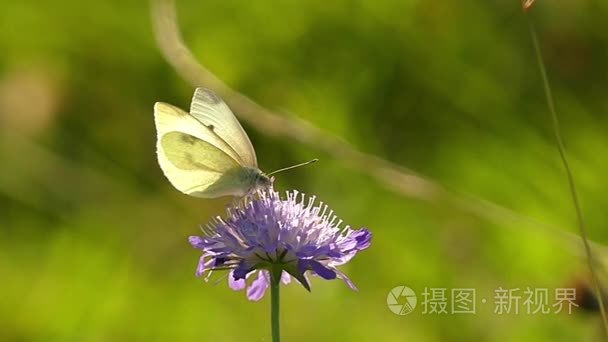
(293, 166)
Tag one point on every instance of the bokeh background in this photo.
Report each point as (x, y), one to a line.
(93, 238)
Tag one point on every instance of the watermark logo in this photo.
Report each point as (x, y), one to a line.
(401, 300)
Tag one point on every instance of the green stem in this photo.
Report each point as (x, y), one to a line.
(562, 152)
(275, 281)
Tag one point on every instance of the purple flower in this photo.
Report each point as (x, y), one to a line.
(263, 231)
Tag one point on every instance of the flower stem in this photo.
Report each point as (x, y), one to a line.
(275, 281)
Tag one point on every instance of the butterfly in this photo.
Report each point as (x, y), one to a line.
(206, 152)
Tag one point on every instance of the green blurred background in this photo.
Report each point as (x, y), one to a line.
(93, 238)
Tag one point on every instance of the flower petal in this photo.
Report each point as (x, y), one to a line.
(363, 237)
(240, 272)
(285, 278)
(345, 279)
(196, 241)
(235, 284)
(204, 264)
(257, 289)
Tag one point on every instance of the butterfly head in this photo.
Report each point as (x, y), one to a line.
(257, 180)
(262, 181)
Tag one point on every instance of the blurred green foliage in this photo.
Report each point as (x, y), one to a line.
(93, 238)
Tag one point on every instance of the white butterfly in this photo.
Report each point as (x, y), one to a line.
(206, 153)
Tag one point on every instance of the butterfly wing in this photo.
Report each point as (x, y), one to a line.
(213, 113)
(169, 118)
(194, 159)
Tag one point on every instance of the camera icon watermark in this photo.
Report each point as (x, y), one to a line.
(401, 300)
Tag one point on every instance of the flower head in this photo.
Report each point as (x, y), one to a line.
(263, 232)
